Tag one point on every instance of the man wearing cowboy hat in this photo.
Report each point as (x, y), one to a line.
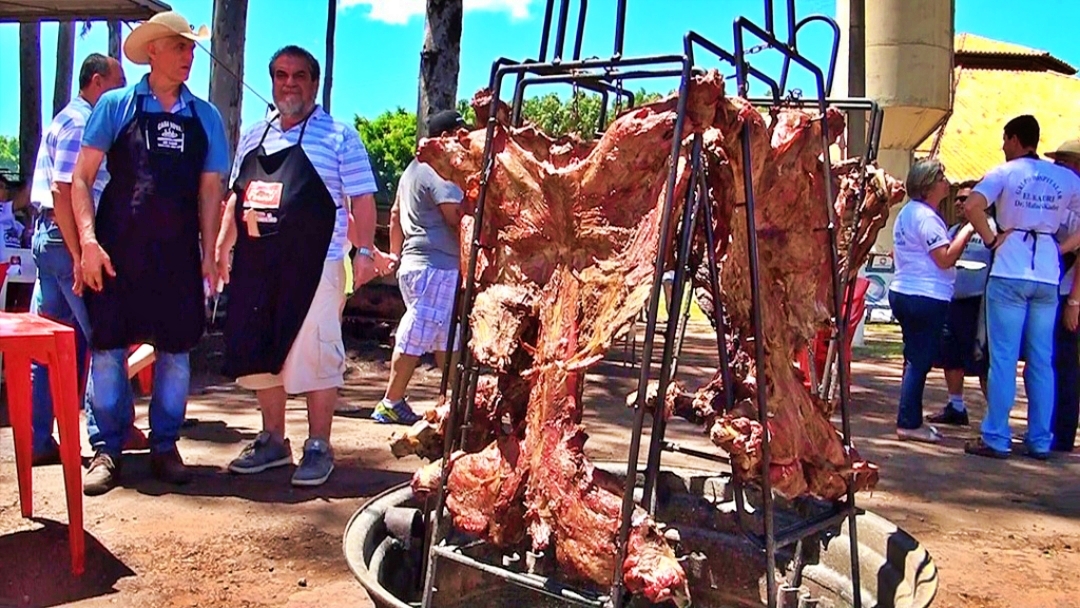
(302, 190)
(1066, 351)
(141, 254)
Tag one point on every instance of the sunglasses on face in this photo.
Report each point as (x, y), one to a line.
(961, 199)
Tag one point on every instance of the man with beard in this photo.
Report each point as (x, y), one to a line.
(141, 256)
(302, 189)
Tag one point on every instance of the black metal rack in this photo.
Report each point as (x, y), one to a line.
(606, 76)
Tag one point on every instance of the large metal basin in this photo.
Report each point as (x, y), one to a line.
(895, 570)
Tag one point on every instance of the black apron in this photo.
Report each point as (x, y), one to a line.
(148, 223)
(285, 220)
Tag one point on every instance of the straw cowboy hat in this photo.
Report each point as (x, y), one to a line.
(1069, 149)
(161, 25)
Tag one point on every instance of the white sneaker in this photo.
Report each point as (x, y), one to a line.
(925, 434)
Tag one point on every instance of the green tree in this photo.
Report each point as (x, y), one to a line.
(9, 154)
(467, 112)
(579, 113)
(390, 140)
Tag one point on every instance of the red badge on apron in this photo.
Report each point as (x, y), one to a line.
(261, 203)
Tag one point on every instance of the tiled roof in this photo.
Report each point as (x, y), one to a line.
(970, 43)
(976, 51)
(985, 100)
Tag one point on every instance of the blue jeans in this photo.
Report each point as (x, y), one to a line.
(112, 398)
(55, 299)
(1020, 315)
(922, 320)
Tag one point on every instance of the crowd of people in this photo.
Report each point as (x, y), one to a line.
(134, 232)
(997, 288)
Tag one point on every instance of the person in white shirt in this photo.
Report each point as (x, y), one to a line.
(959, 338)
(922, 287)
(58, 288)
(1066, 347)
(1033, 198)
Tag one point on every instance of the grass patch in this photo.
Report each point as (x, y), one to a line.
(880, 341)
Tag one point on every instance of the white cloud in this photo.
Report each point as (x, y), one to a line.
(399, 12)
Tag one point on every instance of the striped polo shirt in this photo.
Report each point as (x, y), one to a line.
(339, 157)
(58, 151)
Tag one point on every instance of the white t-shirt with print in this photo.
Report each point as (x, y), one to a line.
(918, 231)
(1033, 198)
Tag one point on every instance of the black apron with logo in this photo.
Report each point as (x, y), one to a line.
(148, 223)
(285, 220)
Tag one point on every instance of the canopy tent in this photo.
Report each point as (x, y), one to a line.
(79, 10)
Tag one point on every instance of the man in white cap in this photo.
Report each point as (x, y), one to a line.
(141, 257)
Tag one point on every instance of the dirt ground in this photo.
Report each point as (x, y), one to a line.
(1003, 534)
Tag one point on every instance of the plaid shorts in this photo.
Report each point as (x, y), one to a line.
(429, 304)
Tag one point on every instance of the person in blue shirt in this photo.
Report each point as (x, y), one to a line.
(149, 247)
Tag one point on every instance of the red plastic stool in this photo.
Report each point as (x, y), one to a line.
(26, 337)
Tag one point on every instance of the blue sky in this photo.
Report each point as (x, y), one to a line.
(378, 41)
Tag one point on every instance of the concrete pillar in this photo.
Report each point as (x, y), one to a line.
(909, 61)
(909, 58)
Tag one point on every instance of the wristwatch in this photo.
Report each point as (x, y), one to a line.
(364, 251)
(1072, 302)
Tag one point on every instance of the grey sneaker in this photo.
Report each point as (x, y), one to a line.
(102, 475)
(262, 454)
(315, 465)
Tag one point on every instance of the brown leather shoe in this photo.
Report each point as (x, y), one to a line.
(169, 467)
(102, 475)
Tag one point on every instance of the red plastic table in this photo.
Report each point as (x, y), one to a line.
(25, 338)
